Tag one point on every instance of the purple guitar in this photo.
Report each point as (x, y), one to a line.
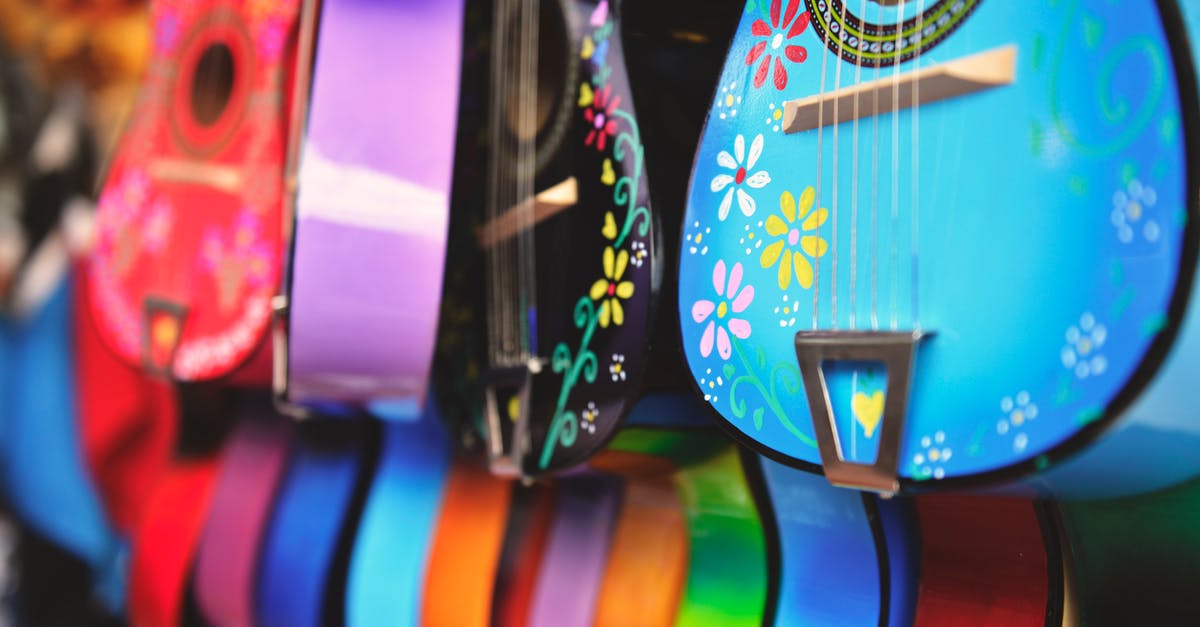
(371, 211)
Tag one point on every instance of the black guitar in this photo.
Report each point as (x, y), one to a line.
(565, 201)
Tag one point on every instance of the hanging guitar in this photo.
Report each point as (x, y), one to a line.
(374, 186)
(190, 223)
(308, 538)
(251, 468)
(1134, 558)
(878, 299)
(839, 557)
(394, 538)
(555, 265)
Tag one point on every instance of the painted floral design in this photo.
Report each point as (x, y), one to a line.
(166, 30)
(616, 369)
(1018, 410)
(599, 106)
(156, 227)
(695, 239)
(775, 118)
(588, 418)
(933, 456)
(638, 253)
(750, 238)
(786, 311)
(796, 243)
(741, 164)
(135, 223)
(728, 101)
(125, 199)
(710, 384)
(611, 290)
(1129, 214)
(730, 300)
(272, 20)
(1081, 354)
(271, 38)
(774, 45)
(236, 258)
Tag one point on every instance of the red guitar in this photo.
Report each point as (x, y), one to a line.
(190, 223)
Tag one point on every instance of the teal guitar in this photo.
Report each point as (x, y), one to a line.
(951, 243)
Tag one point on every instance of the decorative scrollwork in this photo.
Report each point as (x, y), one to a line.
(1129, 121)
(785, 373)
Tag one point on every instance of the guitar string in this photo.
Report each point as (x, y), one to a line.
(858, 58)
(914, 211)
(509, 178)
(837, 101)
(528, 145)
(496, 168)
(492, 200)
(817, 201)
(513, 207)
(894, 251)
(512, 158)
(875, 194)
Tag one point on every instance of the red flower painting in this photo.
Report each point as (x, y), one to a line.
(774, 44)
(599, 116)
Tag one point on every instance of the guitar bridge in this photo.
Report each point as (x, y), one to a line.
(819, 351)
(163, 330)
(506, 416)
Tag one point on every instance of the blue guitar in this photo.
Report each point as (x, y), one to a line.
(951, 243)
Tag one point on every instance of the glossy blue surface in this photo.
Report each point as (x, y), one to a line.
(899, 524)
(44, 476)
(296, 570)
(829, 565)
(1036, 229)
(391, 549)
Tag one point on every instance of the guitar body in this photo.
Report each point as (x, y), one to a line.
(1035, 322)
(525, 537)
(251, 467)
(190, 222)
(395, 534)
(1134, 559)
(127, 420)
(590, 291)
(831, 553)
(348, 340)
(576, 554)
(467, 544)
(45, 477)
(303, 559)
(985, 559)
(165, 542)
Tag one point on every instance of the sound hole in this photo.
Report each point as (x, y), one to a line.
(551, 74)
(212, 84)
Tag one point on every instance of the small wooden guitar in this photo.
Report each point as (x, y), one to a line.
(190, 224)
(307, 542)
(937, 243)
(555, 265)
(373, 197)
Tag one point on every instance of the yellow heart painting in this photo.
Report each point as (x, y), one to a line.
(868, 410)
(610, 226)
(607, 175)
